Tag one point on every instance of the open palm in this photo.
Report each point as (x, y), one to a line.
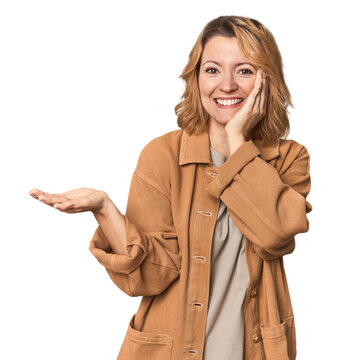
(73, 201)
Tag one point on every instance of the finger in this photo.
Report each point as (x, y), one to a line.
(259, 76)
(253, 100)
(256, 105)
(260, 90)
(256, 88)
(39, 195)
(263, 101)
(35, 193)
(42, 194)
(64, 205)
(259, 100)
(52, 199)
(74, 205)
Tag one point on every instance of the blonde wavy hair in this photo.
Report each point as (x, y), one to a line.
(259, 47)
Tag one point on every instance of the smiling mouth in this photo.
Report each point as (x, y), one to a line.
(228, 104)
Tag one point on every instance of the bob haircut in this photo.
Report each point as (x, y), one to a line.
(259, 47)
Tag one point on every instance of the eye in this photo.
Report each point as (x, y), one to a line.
(207, 70)
(249, 71)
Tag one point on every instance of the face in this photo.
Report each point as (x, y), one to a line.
(224, 74)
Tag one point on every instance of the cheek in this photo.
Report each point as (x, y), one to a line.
(205, 86)
(249, 87)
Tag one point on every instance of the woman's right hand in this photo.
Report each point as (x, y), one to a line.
(73, 201)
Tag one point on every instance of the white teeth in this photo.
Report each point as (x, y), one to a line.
(228, 102)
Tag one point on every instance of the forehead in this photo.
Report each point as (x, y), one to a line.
(222, 48)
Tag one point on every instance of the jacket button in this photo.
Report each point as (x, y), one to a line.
(191, 351)
(254, 292)
(255, 337)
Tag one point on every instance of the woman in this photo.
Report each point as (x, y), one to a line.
(212, 209)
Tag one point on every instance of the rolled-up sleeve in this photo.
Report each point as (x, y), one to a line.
(154, 259)
(267, 205)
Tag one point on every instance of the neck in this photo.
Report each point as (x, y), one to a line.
(218, 138)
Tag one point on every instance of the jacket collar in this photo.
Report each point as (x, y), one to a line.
(196, 149)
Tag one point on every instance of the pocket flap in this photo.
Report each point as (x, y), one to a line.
(269, 332)
(275, 341)
(146, 337)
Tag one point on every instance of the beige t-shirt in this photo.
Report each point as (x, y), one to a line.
(229, 281)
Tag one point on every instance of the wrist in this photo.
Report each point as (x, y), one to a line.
(234, 141)
(104, 205)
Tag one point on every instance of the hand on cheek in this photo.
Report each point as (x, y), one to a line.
(252, 111)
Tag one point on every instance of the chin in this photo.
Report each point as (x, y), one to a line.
(221, 121)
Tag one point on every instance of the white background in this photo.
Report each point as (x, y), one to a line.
(84, 86)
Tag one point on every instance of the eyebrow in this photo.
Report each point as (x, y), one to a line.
(238, 64)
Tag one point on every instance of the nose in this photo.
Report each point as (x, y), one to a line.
(228, 83)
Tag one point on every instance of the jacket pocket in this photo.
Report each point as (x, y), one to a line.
(279, 341)
(148, 346)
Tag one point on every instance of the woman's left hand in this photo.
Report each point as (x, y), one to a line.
(252, 111)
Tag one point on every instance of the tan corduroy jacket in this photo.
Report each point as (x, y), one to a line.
(170, 218)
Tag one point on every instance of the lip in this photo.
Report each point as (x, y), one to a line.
(228, 106)
(228, 98)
